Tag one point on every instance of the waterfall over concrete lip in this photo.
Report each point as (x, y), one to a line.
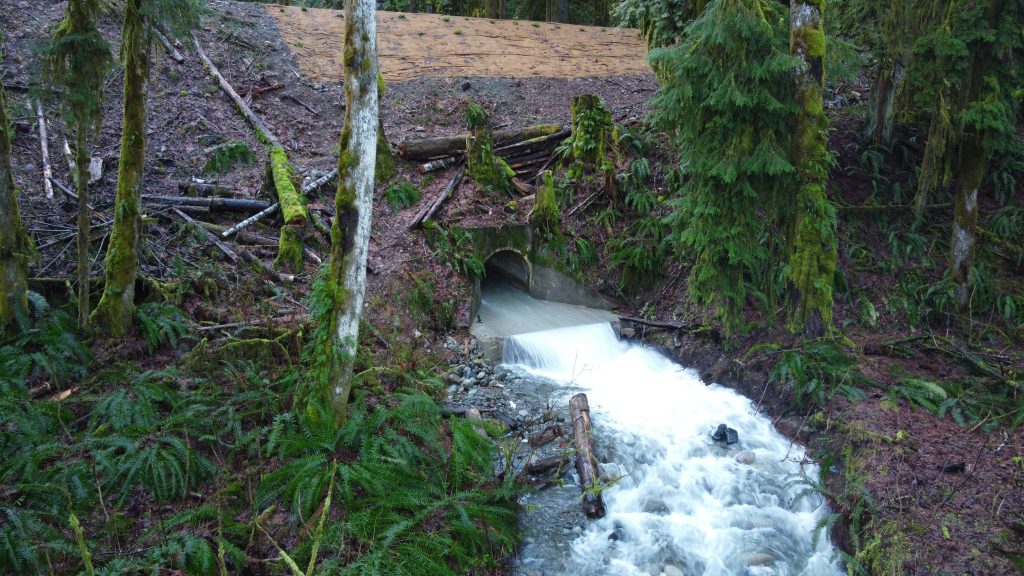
(506, 310)
(677, 501)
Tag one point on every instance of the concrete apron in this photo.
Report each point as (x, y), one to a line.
(507, 311)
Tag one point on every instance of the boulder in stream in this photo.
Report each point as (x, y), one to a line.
(725, 435)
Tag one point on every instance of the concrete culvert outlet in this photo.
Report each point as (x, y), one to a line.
(508, 266)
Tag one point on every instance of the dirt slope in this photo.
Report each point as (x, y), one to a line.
(417, 45)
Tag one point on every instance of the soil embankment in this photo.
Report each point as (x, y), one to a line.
(413, 46)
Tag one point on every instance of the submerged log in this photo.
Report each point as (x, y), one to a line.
(449, 145)
(586, 464)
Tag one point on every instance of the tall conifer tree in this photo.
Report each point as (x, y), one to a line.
(726, 100)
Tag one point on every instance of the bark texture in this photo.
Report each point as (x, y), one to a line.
(812, 260)
(586, 463)
(972, 163)
(350, 232)
(83, 238)
(888, 78)
(15, 245)
(117, 305)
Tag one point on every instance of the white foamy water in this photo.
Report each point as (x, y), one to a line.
(683, 501)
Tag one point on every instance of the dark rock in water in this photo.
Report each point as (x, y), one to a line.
(618, 533)
(726, 435)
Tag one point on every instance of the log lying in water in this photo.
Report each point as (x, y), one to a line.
(586, 464)
(449, 145)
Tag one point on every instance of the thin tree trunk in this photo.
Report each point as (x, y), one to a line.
(970, 171)
(883, 99)
(354, 199)
(493, 9)
(117, 305)
(935, 167)
(14, 241)
(813, 243)
(82, 167)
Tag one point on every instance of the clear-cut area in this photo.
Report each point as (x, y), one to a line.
(417, 45)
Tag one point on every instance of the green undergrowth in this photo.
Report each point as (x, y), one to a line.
(402, 195)
(225, 157)
(214, 464)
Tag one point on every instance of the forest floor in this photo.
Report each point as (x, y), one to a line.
(945, 497)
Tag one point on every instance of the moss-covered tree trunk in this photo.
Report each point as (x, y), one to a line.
(937, 163)
(385, 158)
(281, 177)
(76, 63)
(117, 305)
(14, 242)
(881, 112)
(350, 232)
(591, 138)
(812, 258)
(972, 162)
(83, 239)
(483, 165)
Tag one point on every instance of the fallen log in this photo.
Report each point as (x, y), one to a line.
(232, 254)
(172, 52)
(430, 210)
(557, 463)
(44, 147)
(263, 132)
(450, 145)
(435, 165)
(281, 178)
(547, 435)
(212, 204)
(533, 144)
(586, 464)
(241, 237)
(249, 221)
(197, 187)
(315, 185)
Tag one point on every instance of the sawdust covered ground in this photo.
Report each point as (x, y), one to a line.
(418, 45)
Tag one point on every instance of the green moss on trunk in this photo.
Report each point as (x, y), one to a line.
(15, 246)
(545, 209)
(483, 165)
(289, 250)
(82, 166)
(293, 209)
(812, 242)
(385, 160)
(117, 305)
(591, 129)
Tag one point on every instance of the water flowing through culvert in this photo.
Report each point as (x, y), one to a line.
(683, 504)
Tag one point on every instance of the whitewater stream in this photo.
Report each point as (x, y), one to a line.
(681, 503)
